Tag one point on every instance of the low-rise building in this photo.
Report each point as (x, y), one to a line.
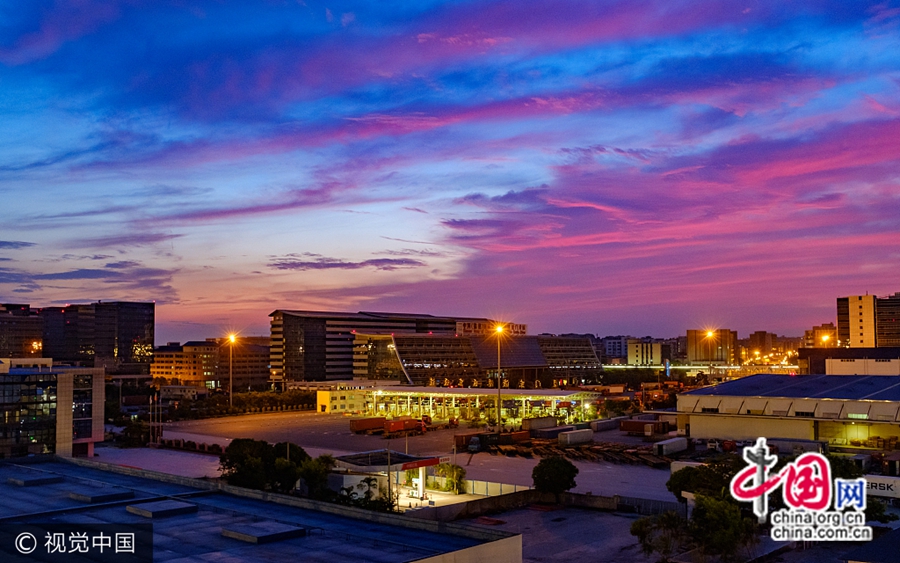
(49, 409)
(843, 410)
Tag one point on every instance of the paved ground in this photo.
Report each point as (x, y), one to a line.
(319, 433)
(574, 536)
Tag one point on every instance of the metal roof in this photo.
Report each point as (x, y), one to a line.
(845, 387)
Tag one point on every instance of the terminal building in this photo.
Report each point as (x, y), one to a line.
(843, 410)
(47, 409)
(422, 350)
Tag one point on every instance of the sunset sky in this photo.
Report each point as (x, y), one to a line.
(612, 167)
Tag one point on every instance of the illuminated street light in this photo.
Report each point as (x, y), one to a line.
(499, 331)
(231, 339)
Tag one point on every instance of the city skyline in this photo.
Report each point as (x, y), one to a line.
(603, 168)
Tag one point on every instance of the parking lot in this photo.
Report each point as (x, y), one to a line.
(324, 433)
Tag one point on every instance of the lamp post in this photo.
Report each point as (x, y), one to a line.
(709, 338)
(231, 339)
(499, 330)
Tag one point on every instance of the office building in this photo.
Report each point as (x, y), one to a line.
(614, 348)
(20, 331)
(711, 347)
(49, 409)
(248, 360)
(887, 321)
(644, 353)
(115, 335)
(192, 364)
(316, 346)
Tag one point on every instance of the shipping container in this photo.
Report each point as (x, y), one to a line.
(401, 425)
(608, 424)
(639, 427)
(359, 425)
(550, 433)
(540, 422)
(573, 437)
(670, 446)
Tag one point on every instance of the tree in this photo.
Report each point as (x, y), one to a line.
(285, 475)
(712, 479)
(314, 473)
(455, 476)
(554, 474)
(248, 463)
(719, 529)
(665, 534)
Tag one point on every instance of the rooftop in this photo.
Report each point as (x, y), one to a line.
(845, 387)
(85, 491)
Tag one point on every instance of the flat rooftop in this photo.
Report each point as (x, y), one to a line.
(489, 392)
(841, 387)
(331, 534)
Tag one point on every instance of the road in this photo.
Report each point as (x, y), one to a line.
(325, 433)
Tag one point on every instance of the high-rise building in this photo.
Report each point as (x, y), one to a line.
(887, 321)
(708, 347)
(856, 321)
(116, 335)
(49, 409)
(317, 346)
(20, 331)
(867, 321)
(613, 347)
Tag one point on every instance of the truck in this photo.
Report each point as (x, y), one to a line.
(432, 425)
(403, 427)
(670, 446)
(372, 425)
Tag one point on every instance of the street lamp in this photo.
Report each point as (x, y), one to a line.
(499, 330)
(231, 339)
(709, 338)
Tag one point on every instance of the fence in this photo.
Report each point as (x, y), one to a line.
(649, 507)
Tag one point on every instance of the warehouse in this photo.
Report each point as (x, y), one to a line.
(844, 410)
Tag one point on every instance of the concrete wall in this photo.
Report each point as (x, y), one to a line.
(748, 428)
(511, 501)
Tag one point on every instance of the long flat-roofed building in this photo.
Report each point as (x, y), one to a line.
(844, 410)
(317, 345)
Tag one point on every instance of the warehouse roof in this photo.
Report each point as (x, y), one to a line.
(845, 387)
(80, 492)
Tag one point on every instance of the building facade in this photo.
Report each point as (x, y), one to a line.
(318, 346)
(20, 332)
(642, 353)
(47, 409)
(115, 335)
(856, 321)
(192, 364)
(843, 410)
(711, 347)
